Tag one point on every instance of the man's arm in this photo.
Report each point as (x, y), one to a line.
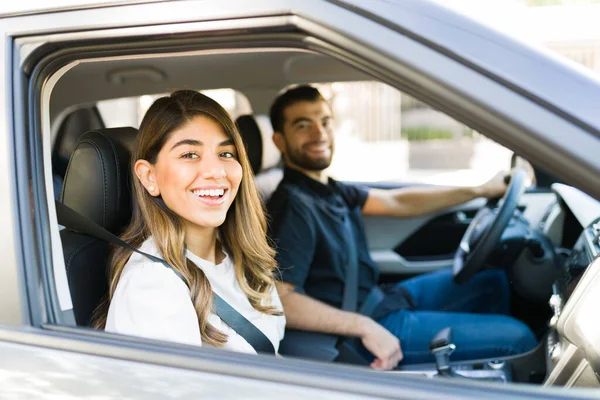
(305, 313)
(419, 201)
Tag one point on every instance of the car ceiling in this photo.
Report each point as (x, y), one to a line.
(257, 74)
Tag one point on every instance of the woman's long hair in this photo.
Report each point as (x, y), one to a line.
(243, 234)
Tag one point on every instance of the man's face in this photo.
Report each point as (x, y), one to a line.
(307, 137)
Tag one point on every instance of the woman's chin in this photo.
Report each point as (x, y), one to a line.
(208, 223)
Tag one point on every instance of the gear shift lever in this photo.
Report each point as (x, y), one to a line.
(441, 347)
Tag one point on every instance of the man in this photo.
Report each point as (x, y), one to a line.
(308, 213)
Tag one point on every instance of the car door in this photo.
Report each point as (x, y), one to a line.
(404, 247)
(39, 348)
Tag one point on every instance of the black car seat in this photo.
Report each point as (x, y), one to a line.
(97, 185)
(265, 159)
(70, 129)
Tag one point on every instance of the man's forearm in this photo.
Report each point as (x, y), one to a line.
(420, 201)
(305, 313)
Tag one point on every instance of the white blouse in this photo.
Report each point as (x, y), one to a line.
(152, 302)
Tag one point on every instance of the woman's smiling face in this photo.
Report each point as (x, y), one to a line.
(197, 173)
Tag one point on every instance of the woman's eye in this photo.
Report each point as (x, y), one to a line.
(190, 155)
(228, 154)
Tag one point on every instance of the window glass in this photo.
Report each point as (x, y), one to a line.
(383, 135)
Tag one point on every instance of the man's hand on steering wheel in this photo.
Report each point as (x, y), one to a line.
(485, 230)
(495, 187)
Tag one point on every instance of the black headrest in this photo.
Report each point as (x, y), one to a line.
(98, 179)
(257, 134)
(71, 128)
(252, 138)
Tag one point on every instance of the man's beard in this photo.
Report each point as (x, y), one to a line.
(303, 161)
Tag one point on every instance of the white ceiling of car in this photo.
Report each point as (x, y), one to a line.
(258, 74)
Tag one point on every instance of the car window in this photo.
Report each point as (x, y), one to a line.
(129, 111)
(403, 140)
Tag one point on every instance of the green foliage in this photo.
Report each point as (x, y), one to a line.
(426, 133)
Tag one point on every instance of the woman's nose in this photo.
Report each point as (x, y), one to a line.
(213, 170)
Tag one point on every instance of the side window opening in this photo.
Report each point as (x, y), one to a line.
(401, 139)
(129, 111)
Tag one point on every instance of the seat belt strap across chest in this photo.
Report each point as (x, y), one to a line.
(74, 221)
(350, 299)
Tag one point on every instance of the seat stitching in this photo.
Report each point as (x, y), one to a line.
(104, 206)
(110, 142)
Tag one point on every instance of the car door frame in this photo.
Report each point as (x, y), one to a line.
(28, 239)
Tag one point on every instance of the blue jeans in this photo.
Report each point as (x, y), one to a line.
(476, 311)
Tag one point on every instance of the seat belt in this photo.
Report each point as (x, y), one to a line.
(350, 300)
(74, 221)
(348, 347)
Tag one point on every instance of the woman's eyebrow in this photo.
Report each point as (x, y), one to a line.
(194, 142)
(183, 142)
(228, 142)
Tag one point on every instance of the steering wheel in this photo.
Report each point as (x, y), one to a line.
(486, 229)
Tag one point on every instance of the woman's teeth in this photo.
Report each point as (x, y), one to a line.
(210, 192)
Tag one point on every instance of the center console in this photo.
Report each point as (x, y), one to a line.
(442, 347)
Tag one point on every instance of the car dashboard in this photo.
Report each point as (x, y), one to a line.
(573, 341)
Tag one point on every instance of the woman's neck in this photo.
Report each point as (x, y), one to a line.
(203, 243)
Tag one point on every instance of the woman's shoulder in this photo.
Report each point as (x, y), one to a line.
(151, 301)
(142, 272)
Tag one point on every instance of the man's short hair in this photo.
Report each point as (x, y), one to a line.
(288, 98)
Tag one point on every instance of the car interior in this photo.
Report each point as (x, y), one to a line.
(550, 233)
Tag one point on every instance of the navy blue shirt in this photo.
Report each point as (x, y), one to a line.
(306, 225)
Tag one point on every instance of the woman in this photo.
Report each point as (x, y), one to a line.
(197, 208)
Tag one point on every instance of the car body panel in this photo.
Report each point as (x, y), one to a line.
(57, 363)
(33, 372)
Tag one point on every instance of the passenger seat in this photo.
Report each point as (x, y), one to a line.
(97, 186)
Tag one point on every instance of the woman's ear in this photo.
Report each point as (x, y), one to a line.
(147, 176)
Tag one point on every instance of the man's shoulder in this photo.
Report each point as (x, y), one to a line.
(355, 195)
(289, 194)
